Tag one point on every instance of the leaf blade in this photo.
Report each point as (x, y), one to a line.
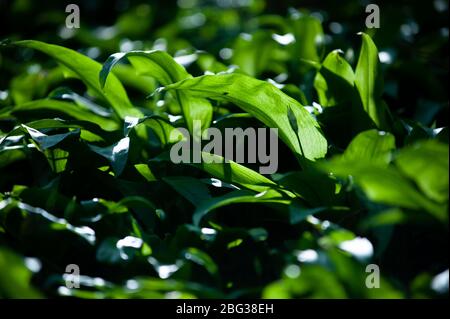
(265, 102)
(87, 70)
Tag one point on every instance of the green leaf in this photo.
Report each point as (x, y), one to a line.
(157, 64)
(313, 186)
(235, 173)
(162, 128)
(335, 80)
(265, 102)
(145, 171)
(292, 120)
(385, 185)
(116, 154)
(298, 212)
(369, 82)
(67, 94)
(426, 162)
(165, 70)
(191, 188)
(87, 70)
(57, 159)
(28, 86)
(235, 197)
(371, 146)
(46, 141)
(89, 131)
(366, 160)
(129, 78)
(42, 107)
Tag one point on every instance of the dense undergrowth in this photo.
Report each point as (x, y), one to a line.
(85, 176)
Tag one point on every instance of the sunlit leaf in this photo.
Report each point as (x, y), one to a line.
(87, 70)
(265, 102)
(165, 70)
(369, 82)
(427, 164)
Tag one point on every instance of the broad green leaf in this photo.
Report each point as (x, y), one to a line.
(46, 141)
(292, 120)
(294, 91)
(235, 173)
(57, 159)
(67, 94)
(87, 70)
(385, 185)
(265, 102)
(371, 146)
(335, 80)
(343, 115)
(30, 109)
(165, 70)
(232, 172)
(116, 154)
(426, 162)
(90, 132)
(369, 82)
(157, 64)
(29, 86)
(129, 77)
(313, 186)
(366, 160)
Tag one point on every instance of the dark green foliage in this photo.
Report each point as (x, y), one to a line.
(85, 135)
